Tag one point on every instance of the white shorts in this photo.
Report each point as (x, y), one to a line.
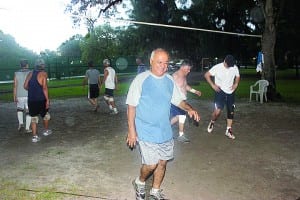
(151, 152)
(22, 103)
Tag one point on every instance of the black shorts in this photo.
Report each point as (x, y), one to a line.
(37, 108)
(93, 91)
(222, 98)
(109, 92)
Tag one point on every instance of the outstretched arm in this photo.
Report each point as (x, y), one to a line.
(190, 110)
(192, 90)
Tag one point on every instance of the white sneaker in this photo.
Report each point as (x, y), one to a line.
(21, 126)
(47, 132)
(114, 112)
(157, 195)
(229, 134)
(36, 138)
(210, 127)
(28, 131)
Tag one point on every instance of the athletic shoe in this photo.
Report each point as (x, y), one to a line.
(28, 131)
(229, 134)
(183, 139)
(96, 108)
(36, 138)
(210, 126)
(47, 132)
(157, 195)
(21, 126)
(113, 112)
(139, 191)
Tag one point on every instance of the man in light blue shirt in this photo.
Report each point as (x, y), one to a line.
(149, 101)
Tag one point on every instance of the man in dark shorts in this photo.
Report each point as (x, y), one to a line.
(110, 81)
(92, 76)
(226, 80)
(38, 98)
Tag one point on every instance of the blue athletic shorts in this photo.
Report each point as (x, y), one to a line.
(176, 111)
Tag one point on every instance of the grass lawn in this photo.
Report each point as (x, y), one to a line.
(287, 86)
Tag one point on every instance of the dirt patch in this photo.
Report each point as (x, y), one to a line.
(86, 156)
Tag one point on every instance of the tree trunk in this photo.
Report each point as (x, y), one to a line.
(268, 47)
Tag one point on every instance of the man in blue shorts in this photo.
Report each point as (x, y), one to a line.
(177, 114)
(227, 78)
(149, 101)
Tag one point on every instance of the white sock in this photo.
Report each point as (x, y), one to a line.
(115, 109)
(28, 122)
(20, 117)
(137, 181)
(110, 107)
(154, 190)
(181, 133)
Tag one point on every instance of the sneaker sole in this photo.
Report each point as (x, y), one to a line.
(137, 196)
(230, 136)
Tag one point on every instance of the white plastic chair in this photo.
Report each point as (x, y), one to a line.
(260, 89)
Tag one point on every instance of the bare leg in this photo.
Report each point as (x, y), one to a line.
(46, 124)
(159, 174)
(92, 101)
(174, 120)
(34, 128)
(146, 171)
(181, 127)
(229, 122)
(215, 114)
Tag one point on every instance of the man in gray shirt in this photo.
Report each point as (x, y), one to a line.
(92, 76)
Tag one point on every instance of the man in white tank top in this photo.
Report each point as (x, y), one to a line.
(110, 80)
(21, 96)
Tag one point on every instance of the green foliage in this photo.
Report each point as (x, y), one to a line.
(100, 44)
(10, 55)
(71, 47)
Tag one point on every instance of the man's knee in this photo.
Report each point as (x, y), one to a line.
(111, 99)
(230, 113)
(181, 118)
(47, 116)
(106, 98)
(35, 119)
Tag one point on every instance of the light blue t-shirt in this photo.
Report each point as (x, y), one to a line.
(152, 96)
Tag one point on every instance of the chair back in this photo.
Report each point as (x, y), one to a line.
(263, 85)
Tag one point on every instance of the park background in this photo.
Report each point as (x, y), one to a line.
(86, 156)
